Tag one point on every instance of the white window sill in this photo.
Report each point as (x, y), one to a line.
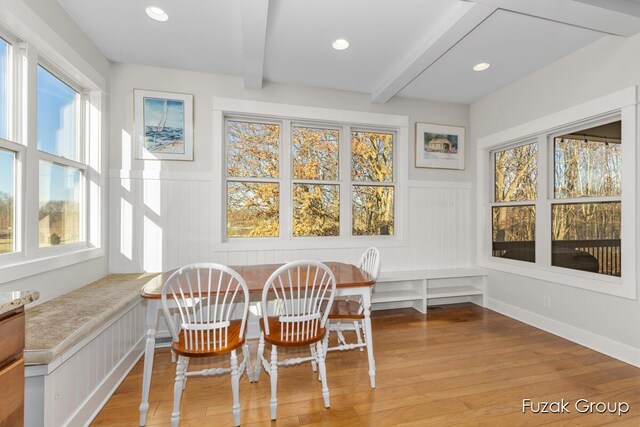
(19, 267)
(609, 285)
(307, 243)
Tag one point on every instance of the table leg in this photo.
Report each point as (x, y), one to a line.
(366, 304)
(153, 306)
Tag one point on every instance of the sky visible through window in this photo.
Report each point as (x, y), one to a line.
(56, 132)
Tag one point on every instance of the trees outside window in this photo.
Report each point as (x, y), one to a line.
(314, 183)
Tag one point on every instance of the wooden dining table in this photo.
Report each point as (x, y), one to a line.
(350, 281)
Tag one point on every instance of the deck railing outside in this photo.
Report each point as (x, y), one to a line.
(606, 252)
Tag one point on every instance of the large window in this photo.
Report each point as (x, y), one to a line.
(558, 197)
(586, 218)
(330, 180)
(513, 213)
(61, 170)
(582, 200)
(8, 154)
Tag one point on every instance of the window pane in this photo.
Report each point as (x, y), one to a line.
(516, 173)
(514, 231)
(315, 153)
(587, 163)
(586, 236)
(4, 90)
(252, 149)
(60, 197)
(253, 209)
(372, 210)
(372, 156)
(316, 210)
(7, 194)
(57, 116)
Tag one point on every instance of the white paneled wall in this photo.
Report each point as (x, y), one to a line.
(71, 390)
(162, 222)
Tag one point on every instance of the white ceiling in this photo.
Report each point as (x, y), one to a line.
(414, 48)
(515, 45)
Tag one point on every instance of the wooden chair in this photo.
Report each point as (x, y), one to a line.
(206, 327)
(302, 289)
(352, 311)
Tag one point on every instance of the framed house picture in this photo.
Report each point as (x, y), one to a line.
(439, 146)
(163, 125)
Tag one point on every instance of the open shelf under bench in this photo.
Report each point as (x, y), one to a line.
(418, 286)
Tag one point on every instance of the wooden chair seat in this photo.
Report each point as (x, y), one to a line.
(346, 309)
(234, 341)
(275, 338)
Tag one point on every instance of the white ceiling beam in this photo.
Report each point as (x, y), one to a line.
(462, 19)
(254, 15)
(617, 17)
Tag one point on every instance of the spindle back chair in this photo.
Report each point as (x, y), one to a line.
(207, 297)
(353, 311)
(304, 292)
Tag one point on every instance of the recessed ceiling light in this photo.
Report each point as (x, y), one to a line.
(340, 44)
(157, 14)
(481, 66)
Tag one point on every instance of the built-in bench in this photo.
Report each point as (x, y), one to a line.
(79, 347)
(416, 287)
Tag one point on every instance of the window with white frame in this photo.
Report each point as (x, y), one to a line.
(61, 162)
(50, 167)
(312, 180)
(572, 176)
(8, 153)
(583, 200)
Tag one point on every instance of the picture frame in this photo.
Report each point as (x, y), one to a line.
(163, 123)
(439, 146)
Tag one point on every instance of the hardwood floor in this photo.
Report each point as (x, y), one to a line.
(465, 365)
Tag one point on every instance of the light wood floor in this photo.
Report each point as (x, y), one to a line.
(465, 365)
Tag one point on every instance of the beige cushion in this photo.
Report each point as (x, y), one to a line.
(57, 325)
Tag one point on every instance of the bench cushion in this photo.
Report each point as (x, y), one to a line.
(57, 325)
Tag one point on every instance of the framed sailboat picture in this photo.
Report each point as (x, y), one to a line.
(163, 125)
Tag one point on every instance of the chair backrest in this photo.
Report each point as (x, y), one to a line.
(370, 262)
(206, 295)
(304, 292)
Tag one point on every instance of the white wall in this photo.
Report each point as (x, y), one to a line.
(170, 219)
(48, 28)
(606, 66)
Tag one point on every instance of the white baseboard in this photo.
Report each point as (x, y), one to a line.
(615, 349)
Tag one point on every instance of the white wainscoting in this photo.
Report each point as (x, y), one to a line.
(71, 390)
(163, 220)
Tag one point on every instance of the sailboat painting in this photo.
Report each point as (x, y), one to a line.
(164, 125)
(166, 128)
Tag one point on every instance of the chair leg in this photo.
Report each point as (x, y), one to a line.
(314, 365)
(258, 368)
(341, 338)
(176, 325)
(235, 388)
(274, 381)
(247, 361)
(186, 369)
(177, 391)
(323, 374)
(356, 326)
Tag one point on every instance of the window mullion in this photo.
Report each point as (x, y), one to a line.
(543, 204)
(345, 181)
(31, 192)
(286, 188)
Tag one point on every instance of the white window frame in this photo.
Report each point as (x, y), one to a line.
(619, 105)
(287, 115)
(29, 259)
